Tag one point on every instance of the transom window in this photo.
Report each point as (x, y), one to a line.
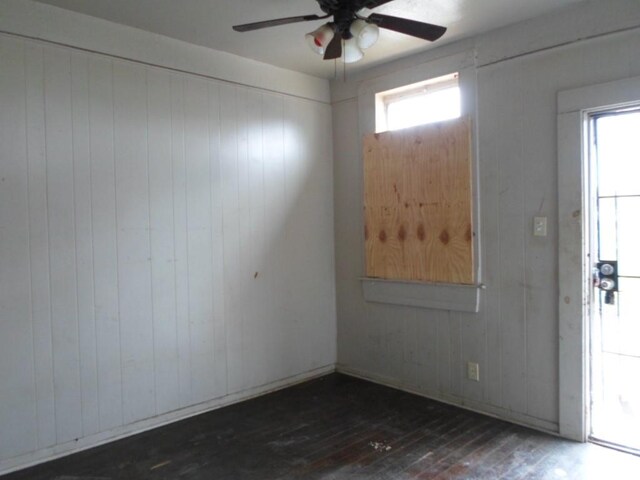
(430, 101)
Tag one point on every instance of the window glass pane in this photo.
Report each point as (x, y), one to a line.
(421, 109)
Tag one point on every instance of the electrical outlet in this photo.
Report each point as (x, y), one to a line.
(473, 371)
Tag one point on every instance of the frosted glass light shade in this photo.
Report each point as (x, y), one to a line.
(320, 38)
(352, 52)
(366, 34)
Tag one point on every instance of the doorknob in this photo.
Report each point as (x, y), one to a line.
(607, 279)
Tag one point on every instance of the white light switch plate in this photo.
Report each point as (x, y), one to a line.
(540, 226)
(473, 371)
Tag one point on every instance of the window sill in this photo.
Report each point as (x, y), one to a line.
(439, 296)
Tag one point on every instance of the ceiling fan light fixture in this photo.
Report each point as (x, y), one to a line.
(366, 34)
(320, 38)
(349, 33)
(352, 52)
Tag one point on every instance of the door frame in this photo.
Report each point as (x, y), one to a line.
(574, 264)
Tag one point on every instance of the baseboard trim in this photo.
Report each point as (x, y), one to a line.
(51, 453)
(473, 406)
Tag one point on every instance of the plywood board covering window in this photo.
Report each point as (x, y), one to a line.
(418, 203)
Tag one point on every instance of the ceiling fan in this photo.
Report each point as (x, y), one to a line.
(349, 29)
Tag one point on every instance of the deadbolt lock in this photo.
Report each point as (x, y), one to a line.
(606, 279)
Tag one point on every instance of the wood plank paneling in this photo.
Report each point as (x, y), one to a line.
(162, 243)
(312, 217)
(241, 228)
(293, 230)
(256, 227)
(137, 206)
(490, 181)
(515, 335)
(540, 198)
(498, 337)
(275, 214)
(134, 269)
(199, 261)
(18, 393)
(349, 262)
(105, 250)
(39, 246)
(181, 255)
(418, 203)
(231, 220)
(217, 238)
(84, 242)
(512, 256)
(62, 244)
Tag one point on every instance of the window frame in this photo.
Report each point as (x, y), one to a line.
(453, 297)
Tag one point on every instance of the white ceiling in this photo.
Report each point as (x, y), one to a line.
(208, 23)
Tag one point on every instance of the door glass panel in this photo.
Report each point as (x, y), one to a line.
(628, 235)
(615, 332)
(619, 144)
(608, 232)
(621, 321)
(619, 420)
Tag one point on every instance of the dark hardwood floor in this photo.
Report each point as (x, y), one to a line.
(337, 427)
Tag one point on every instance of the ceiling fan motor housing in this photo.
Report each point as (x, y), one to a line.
(331, 6)
(342, 20)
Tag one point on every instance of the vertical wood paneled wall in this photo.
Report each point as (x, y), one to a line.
(515, 336)
(165, 240)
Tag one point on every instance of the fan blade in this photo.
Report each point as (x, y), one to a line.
(426, 31)
(274, 23)
(334, 49)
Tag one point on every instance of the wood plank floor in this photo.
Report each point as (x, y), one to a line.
(338, 427)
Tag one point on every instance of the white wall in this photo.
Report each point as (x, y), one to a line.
(514, 337)
(166, 243)
(45, 22)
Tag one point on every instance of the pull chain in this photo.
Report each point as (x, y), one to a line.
(344, 63)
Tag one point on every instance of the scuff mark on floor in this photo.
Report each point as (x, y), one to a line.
(380, 446)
